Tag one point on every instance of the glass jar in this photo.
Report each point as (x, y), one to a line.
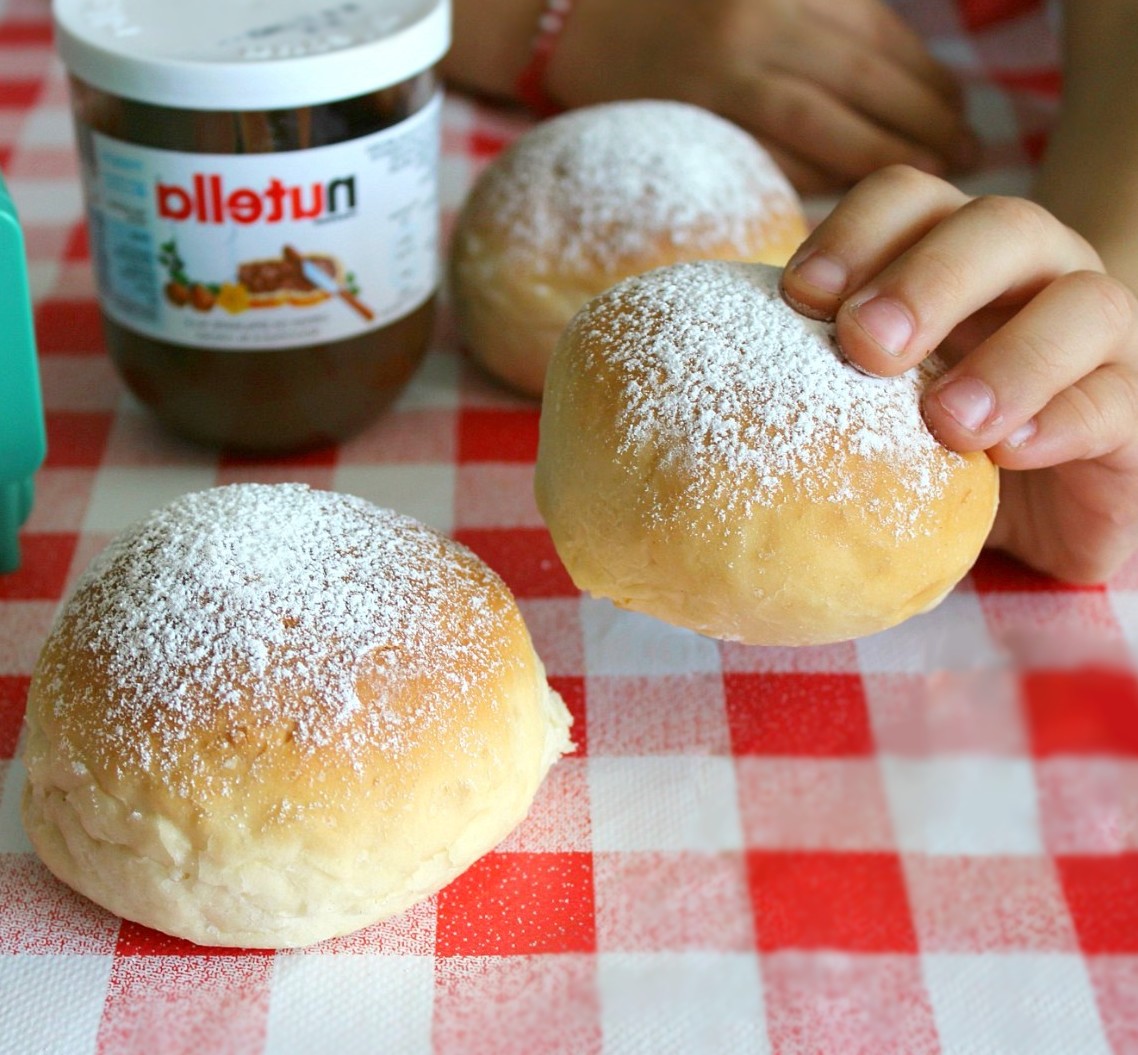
(262, 200)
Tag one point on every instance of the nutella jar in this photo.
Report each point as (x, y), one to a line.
(261, 183)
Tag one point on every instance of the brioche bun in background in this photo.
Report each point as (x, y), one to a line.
(269, 715)
(707, 456)
(592, 196)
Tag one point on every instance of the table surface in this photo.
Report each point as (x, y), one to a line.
(923, 841)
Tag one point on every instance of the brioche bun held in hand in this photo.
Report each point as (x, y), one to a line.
(269, 715)
(596, 195)
(708, 457)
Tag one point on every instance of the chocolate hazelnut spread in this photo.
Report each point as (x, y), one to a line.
(263, 206)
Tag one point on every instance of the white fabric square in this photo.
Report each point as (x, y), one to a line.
(13, 838)
(350, 1005)
(664, 803)
(434, 384)
(682, 1004)
(425, 492)
(53, 202)
(121, 495)
(48, 126)
(35, 986)
(620, 642)
(963, 804)
(953, 636)
(1014, 1004)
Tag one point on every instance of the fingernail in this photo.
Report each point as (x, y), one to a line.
(886, 322)
(968, 400)
(823, 272)
(1021, 435)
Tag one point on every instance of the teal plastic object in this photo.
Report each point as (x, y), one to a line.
(23, 441)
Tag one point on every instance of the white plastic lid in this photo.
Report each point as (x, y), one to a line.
(248, 54)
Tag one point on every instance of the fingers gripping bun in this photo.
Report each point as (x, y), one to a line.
(708, 457)
(593, 196)
(269, 715)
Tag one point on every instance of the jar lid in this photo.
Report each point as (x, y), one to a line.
(248, 54)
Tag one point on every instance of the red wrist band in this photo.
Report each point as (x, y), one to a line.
(530, 85)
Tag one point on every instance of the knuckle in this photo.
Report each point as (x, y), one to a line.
(1022, 217)
(1114, 302)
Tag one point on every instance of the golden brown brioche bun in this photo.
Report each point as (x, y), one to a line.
(593, 196)
(269, 715)
(708, 457)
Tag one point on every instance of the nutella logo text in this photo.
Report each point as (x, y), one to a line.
(209, 200)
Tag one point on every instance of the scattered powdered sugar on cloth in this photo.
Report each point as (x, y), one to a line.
(264, 599)
(726, 382)
(610, 182)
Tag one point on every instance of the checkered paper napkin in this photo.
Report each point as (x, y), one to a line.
(925, 841)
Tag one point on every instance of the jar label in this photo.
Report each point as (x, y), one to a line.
(261, 251)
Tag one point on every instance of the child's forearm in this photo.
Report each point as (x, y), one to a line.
(1089, 177)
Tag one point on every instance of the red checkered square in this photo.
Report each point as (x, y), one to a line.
(831, 1004)
(186, 1004)
(497, 435)
(13, 698)
(662, 715)
(1082, 711)
(19, 95)
(1088, 804)
(854, 902)
(38, 914)
(27, 33)
(797, 714)
(1102, 892)
(69, 326)
(45, 559)
(979, 14)
(1115, 981)
(988, 904)
(572, 691)
(77, 439)
(947, 711)
(524, 557)
(813, 804)
(78, 247)
(137, 940)
(658, 902)
(996, 572)
(488, 1006)
(559, 819)
(80, 382)
(516, 904)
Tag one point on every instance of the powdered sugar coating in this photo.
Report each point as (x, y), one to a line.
(608, 183)
(263, 600)
(726, 383)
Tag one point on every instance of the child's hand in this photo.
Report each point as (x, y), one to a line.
(835, 89)
(1044, 347)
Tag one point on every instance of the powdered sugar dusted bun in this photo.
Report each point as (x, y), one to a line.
(707, 457)
(593, 196)
(269, 715)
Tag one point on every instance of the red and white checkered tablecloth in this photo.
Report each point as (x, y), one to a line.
(925, 841)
